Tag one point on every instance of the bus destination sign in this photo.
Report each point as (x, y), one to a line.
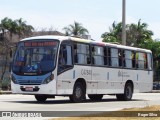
(39, 44)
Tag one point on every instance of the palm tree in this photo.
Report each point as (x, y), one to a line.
(23, 29)
(75, 30)
(28, 30)
(9, 25)
(20, 27)
(114, 34)
(67, 31)
(138, 33)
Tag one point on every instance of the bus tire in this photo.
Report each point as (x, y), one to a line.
(128, 92)
(41, 98)
(95, 97)
(78, 93)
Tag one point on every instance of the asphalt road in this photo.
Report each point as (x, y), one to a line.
(109, 103)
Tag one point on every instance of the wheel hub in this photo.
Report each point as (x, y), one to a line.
(78, 92)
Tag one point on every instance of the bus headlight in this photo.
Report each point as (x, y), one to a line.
(48, 79)
(13, 79)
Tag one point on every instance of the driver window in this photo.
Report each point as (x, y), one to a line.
(65, 58)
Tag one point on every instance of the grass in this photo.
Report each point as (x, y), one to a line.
(133, 111)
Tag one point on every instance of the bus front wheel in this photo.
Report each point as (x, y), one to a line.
(128, 92)
(78, 93)
(95, 97)
(41, 98)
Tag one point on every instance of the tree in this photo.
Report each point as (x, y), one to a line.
(23, 29)
(75, 30)
(9, 25)
(8, 28)
(114, 34)
(136, 34)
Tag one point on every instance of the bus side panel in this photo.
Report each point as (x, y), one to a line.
(99, 79)
(65, 82)
(130, 74)
(85, 73)
(115, 83)
(145, 80)
(108, 80)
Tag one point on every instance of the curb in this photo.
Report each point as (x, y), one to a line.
(5, 92)
(155, 91)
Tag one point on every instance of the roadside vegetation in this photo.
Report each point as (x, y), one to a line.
(104, 116)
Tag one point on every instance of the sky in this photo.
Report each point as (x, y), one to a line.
(95, 15)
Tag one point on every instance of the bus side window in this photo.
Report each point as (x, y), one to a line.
(145, 61)
(109, 56)
(128, 59)
(136, 58)
(105, 56)
(98, 55)
(83, 53)
(120, 57)
(114, 57)
(75, 53)
(141, 60)
(93, 53)
(149, 61)
(133, 59)
(65, 58)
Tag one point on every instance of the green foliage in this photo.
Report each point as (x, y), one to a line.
(114, 35)
(75, 29)
(110, 39)
(136, 34)
(5, 84)
(17, 26)
(8, 28)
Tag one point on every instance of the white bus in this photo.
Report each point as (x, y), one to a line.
(49, 66)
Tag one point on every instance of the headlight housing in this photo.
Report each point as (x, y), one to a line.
(48, 79)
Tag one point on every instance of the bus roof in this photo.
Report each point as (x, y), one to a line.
(62, 38)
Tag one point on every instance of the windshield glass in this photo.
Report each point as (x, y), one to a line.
(35, 58)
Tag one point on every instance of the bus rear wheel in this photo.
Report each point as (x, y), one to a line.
(78, 93)
(41, 98)
(95, 97)
(128, 92)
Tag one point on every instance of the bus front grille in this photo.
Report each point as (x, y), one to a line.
(29, 82)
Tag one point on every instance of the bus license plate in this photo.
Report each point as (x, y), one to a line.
(29, 88)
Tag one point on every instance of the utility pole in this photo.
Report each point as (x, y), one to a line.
(123, 22)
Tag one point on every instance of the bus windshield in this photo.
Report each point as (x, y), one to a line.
(35, 58)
